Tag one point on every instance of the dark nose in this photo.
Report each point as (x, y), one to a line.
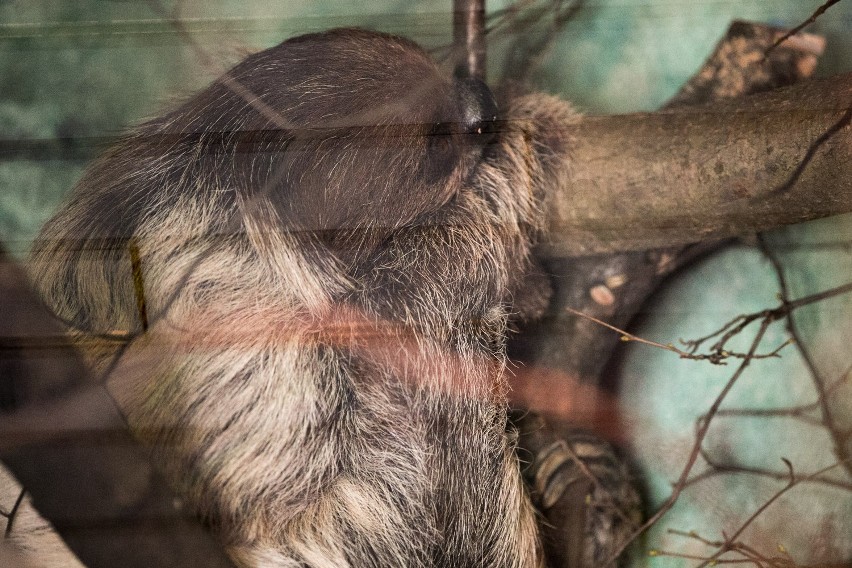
(478, 110)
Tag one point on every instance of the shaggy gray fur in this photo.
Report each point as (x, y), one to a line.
(328, 271)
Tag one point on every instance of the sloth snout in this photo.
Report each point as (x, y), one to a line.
(478, 110)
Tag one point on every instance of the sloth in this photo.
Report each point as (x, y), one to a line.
(319, 258)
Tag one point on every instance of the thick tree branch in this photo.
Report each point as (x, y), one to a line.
(613, 286)
(697, 173)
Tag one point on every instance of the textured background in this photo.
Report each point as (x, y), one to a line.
(92, 67)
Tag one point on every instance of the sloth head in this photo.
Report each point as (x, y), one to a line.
(332, 154)
(350, 134)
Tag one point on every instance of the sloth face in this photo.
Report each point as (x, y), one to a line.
(352, 134)
(336, 147)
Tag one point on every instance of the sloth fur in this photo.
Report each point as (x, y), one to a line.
(329, 267)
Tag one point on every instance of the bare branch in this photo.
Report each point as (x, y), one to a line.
(838, 437)
(800, 412)
(819, 11)
(749, 554)
(718, 352)
(728, 469)
(793, 481)
(700, 435)
(717, 356)
(766, 317)
(645, 180)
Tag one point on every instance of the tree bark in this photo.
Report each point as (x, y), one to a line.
(691, 174)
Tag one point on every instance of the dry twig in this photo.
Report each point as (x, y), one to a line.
(701, 434)
(819, 11)
(838, 437)
(732, 544)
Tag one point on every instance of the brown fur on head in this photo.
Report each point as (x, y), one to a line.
(357, 179)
